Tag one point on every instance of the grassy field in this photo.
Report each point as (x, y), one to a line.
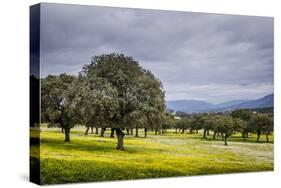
(90, 158)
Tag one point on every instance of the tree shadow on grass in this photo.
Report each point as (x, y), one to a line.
(94, 146)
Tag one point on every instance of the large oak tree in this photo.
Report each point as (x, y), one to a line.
(139, 94)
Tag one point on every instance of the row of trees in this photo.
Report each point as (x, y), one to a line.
(112, 91)
(242, 121)
(115, 92)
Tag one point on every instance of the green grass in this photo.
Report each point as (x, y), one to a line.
(93, 158)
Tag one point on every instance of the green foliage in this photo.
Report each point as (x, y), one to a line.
(184, 123)
(225, 125)
(58, 102)
(138, 96)
(96, 99)
(113, 91)
(261, 123)
(196, 123)
(169, 121)
(243, 114)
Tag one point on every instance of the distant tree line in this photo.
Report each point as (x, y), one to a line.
(238, 121)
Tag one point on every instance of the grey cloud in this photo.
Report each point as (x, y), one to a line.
(193, 53)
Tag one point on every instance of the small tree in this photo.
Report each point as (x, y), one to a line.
(245, 115)
(225, 126)
(168, 122)
(207, 123)
(59, 102)
(261, 123)
(183, 124)
(195, 123)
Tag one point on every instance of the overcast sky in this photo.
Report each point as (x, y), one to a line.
(207, 57)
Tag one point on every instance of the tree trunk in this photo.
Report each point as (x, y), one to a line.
(214, 136)
(67, 135)
(120, 138)
(258, 138)
(132, 131)
(102, 131)
(176, 130)
(145, 132)
(92, 130)
(204, 133)
(196, 131)
(97, 130)
(244, 135)
(225, 140)
(112, 133)
(62, 130)
(182, 131)
(87, 130)
(127, 130)
(137, 132)
(267, 133)
(190, 131)
(208, 132)
(159, 131)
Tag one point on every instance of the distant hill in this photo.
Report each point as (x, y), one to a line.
(231, 103)
(266, 101)
(190, 106)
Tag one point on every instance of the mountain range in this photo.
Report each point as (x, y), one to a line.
(190, 106)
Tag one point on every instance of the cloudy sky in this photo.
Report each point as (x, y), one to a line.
(209, 57)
